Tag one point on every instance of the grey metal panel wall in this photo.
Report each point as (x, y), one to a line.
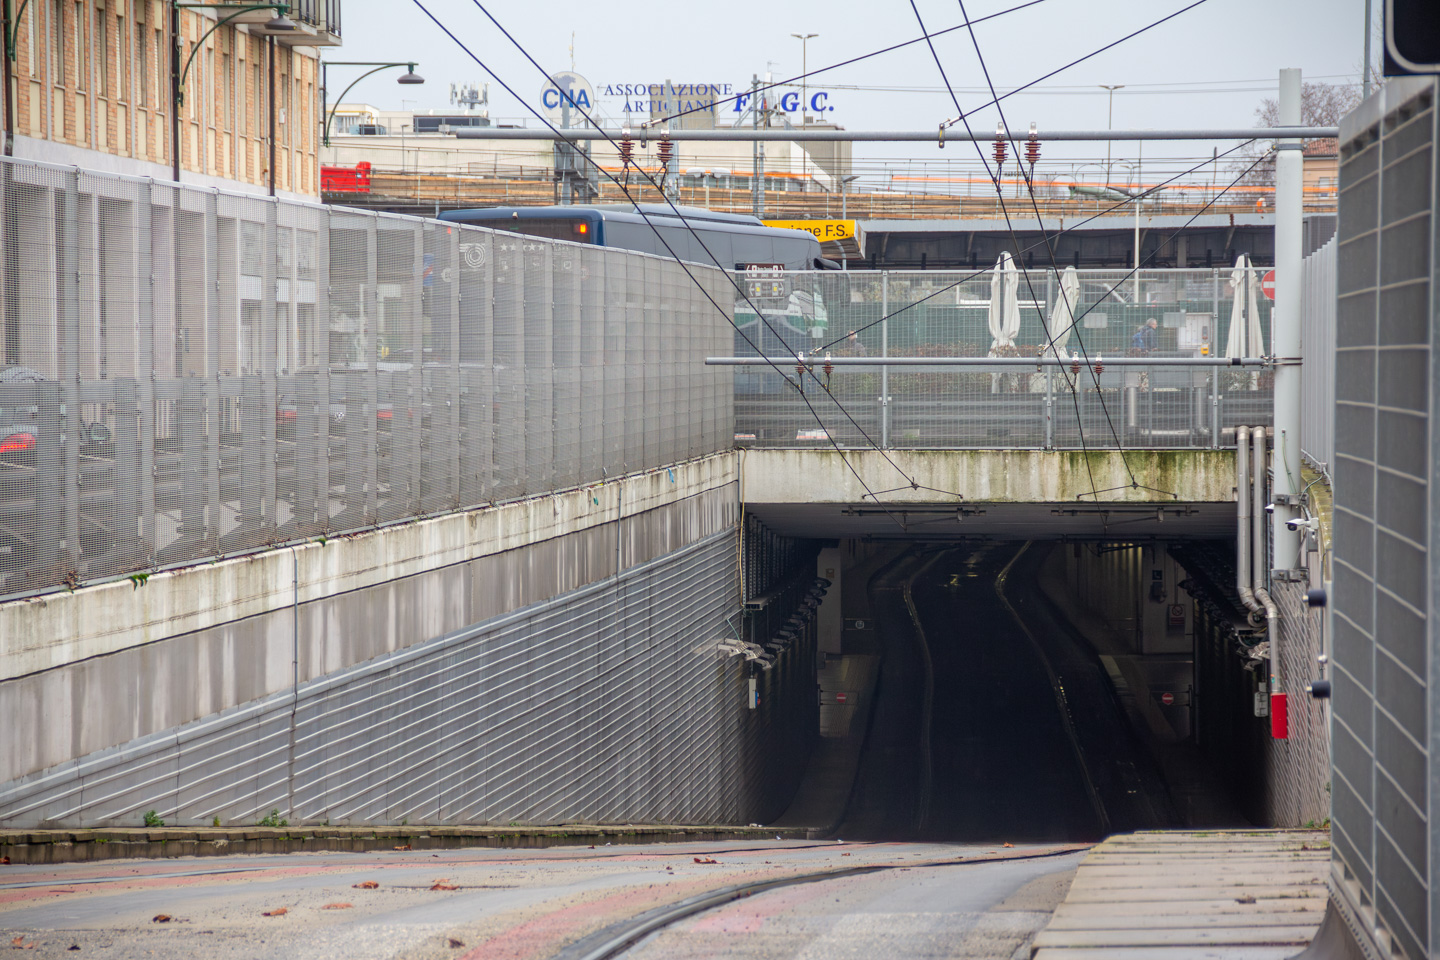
(608, 703)
(1384, 792)
(189, 374)
(1317, 379)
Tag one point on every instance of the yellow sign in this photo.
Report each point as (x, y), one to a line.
(822, 229)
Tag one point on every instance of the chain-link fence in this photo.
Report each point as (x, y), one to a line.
(947, 314)
(189, 374)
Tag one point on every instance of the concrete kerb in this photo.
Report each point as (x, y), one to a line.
(73, 846)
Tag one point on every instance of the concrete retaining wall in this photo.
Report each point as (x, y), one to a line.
(1017, 476)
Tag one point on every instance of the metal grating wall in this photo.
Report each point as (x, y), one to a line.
(607, 704)
(940, 313)
(1297, 771)
(1385, 716)
(189, 374)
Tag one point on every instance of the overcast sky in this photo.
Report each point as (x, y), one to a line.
(1203, 68)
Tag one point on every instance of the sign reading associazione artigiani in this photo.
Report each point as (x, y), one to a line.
(822, 229)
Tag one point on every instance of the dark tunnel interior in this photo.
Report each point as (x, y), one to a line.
(994, 718)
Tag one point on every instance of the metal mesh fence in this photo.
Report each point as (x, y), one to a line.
(934, 313)
(189, 373)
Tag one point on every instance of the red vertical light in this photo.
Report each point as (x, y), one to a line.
(1279, 717)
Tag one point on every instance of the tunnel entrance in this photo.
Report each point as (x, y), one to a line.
(1014, 696)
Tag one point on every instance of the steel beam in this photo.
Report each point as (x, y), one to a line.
(938, 135)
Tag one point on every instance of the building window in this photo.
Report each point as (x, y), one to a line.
(142, 56)
(30, 28)
(102, 51)
(122, 63)
(77, 30)
(57, 42)
(159, 46)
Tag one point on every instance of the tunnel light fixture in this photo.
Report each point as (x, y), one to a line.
(1143, 513)
(937, 511)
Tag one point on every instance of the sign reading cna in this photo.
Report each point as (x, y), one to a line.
(567, 89)
(822, 229)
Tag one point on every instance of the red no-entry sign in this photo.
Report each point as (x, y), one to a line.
(1167, 698)
(1267, 285)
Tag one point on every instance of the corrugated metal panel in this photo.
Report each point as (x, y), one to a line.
(1385, 719)
(609, 703)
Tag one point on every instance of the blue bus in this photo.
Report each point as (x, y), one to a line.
(736, 241)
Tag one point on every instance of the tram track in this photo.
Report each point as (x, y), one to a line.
(618, 939)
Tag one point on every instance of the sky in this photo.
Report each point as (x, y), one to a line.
(1207, 67)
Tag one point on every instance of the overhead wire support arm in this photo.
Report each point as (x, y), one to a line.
(1097, 363)
(746, 135)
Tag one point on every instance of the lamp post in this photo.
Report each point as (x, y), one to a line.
(843, 182)
(804, 39)
(1110, 122)
(279, 23)
(409, 77)
(1136, 194)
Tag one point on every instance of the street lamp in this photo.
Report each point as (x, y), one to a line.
(279, 23)
(409, 77)
(1137, 193)
(804, 39)
(843, 182)
(1110, 122)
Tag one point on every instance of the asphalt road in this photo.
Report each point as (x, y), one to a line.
(936, 899)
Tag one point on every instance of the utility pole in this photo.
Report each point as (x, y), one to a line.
(1365, 74)
(1285, 329)
(757, 188)
(804, 39)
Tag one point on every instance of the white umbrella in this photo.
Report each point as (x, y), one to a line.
(1062, 321)
(1062, 315)
(1244, 339)
(1004, 317)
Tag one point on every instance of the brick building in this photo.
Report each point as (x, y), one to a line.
(94, 83)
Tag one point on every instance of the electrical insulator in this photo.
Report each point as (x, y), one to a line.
(663, 152)
(1032, 148)
(627, 151)
(1001, 149)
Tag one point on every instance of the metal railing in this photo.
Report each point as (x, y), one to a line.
(189, 374)
(1179, 399)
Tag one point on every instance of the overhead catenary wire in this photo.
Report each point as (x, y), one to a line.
(797, 384)
(926, 39)
(1045, 327)
(1050, 246)
(1073, 227)
(764, 88)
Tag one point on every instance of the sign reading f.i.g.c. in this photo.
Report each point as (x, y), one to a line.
(567, 89)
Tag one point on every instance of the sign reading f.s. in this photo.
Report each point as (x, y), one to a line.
(567, 89)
